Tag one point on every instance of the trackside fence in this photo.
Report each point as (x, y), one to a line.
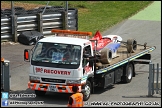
(154, 85)
(43, 19)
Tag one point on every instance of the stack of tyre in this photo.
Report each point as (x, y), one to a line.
(8, 12)
(21, 11)
(5, 12)
(26, 37)
(51, 9)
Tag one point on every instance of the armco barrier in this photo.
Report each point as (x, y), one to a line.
(154, 80)
(13, 25)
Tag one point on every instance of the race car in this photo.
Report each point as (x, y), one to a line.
(111, 42)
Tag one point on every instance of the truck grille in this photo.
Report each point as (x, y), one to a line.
(53, 80)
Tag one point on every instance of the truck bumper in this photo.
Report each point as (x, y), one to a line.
(51, 87)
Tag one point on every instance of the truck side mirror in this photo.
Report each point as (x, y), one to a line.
(27, 55)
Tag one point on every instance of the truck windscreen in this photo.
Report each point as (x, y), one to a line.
(56, 55)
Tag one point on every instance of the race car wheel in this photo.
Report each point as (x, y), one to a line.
(106, 56)
(131, 45)
(40, 93)
(87, 92)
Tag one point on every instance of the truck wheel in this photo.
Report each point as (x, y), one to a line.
(40, 93)
(87, 92)
(128, 73)
(106, 56)
(131, 45)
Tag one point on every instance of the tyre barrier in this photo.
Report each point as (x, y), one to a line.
(33, 11)
(3, 15)
(57, 8)
(29, 20)
(20, 12)
(7, 12)
(49, 9)
(2, 11)
(19, 9)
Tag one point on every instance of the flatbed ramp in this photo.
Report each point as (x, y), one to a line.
(124, 57)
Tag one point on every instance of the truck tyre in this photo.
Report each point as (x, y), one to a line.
(128, 73)
(106, 56)
(87, 92)
(131, 45)
(40, 93)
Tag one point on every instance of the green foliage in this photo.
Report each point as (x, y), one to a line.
(105, 14)
(99, 15)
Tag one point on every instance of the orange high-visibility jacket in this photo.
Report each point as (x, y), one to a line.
(77, 100)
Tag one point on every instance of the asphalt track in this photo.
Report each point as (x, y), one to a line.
(145, 26)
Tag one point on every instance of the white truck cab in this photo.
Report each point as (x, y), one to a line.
(57, 64)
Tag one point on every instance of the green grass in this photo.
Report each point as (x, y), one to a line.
(100, 15)
(105, 14)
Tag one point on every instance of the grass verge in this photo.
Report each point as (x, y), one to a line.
(98, 15)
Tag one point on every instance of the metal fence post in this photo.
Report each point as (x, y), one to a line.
(40, 22)
(157, 82)
(45, 7)
(12, 17)
(64, 20)
(153, 74)
(15, 39)
(6, 76)
(14, 23)
(150, 79)
(66, 17)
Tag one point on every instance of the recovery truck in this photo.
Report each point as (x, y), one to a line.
(110, 60)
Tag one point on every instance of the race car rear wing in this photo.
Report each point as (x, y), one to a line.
(72, 33)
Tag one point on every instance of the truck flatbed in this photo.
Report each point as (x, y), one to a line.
(124, 57)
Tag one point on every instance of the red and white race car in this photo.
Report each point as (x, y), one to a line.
(112, 42)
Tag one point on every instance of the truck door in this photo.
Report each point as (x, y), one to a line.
(85, 61)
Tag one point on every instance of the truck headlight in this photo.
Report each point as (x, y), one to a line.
(73, 81)
(34, 79)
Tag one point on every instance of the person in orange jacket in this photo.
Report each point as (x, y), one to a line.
(76, 99)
